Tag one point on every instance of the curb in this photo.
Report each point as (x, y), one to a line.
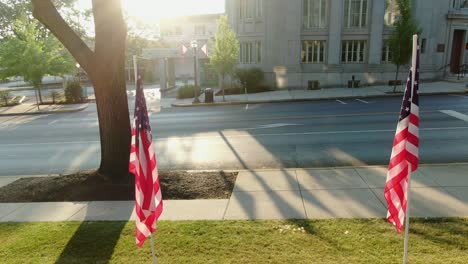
(261, 169)
(81, 108)
(308, 99)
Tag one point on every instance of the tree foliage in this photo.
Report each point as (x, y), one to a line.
(12, 10)
(225, 54)
(401, 41)
(29, 54)
(105, 66)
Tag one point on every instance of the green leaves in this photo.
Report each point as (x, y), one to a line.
(401, 41)
(226, 49)
(31, 55)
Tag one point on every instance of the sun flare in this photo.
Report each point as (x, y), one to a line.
(151, 11)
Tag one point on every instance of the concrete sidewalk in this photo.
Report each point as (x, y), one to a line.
(31, 109)
(326, 94)
(354, 192)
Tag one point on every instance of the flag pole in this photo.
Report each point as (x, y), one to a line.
(135, 69)
(152, 249)
(408, 192)
(407, 223)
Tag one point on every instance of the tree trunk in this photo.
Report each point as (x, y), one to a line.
(222, 86)
(110, 88)
(106, 69)
(396, 78)
(114, 124)
(39, 93)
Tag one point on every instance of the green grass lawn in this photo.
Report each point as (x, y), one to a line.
(310, 241)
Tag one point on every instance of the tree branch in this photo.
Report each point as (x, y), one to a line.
(47, 14)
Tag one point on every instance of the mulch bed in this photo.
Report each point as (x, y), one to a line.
(89, 186)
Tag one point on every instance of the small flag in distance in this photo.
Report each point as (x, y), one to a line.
(183, 49)
(205, 49)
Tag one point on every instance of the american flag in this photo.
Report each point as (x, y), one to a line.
(405, 152)
(148, 198)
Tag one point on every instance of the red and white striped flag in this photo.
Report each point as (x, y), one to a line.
(405, 152)
(148, 198)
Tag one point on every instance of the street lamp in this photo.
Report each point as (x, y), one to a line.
(194, 46)
(84, 91)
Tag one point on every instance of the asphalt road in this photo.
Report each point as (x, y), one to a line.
(309, 134)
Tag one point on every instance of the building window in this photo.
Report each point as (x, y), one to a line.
(355, 13)
(391, 12)
(200, 30)
(258, 8)
(246, 52)
(250, 52)
(313, 51)
(258, 51)
(457, 4)
(353, 51)
(423, 46)
(386, 53)
(315, 14)
(250, 8)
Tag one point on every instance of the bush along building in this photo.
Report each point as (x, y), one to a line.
(328, 43)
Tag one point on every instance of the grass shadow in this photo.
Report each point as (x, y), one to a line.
(91, 241)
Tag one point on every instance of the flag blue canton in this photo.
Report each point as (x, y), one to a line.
(141, 113)
(406, 105)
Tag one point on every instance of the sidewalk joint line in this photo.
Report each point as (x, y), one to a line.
(21, 206)
(79, 210)
(370, 189)
(302, 196)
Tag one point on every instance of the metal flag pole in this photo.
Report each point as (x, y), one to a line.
(135, 69)
(407, 220)
(152, 249)
(136, 79)
(407, 223)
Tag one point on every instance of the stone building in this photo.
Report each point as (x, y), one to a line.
(305, 42)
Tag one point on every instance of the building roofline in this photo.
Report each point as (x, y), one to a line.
(191, 17)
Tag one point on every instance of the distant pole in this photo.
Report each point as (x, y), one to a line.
(135, 68)
(194, 45)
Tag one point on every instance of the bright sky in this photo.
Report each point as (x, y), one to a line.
(151, 11)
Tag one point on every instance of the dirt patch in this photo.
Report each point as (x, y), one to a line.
(88, 186)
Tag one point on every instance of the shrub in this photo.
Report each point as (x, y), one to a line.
(252, 79)
(5, 97)
(186, 91)
(73, 92)
(55, 96)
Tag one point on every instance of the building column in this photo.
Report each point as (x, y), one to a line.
(162, 74)
(335, 27)
(376, 30)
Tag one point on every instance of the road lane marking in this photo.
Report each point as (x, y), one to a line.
(455, 114)
(458, 95)
(53, 122)
(362, 101)
(272, 126)
(247, 107)
(341, 102)
(242, 135)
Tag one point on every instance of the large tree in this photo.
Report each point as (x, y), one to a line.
(29, 54)
(224, 57)
(12, 10)
(105, 66)
(401, 41)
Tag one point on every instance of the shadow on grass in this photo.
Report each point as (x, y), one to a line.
(92, 242)
(442, 231)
